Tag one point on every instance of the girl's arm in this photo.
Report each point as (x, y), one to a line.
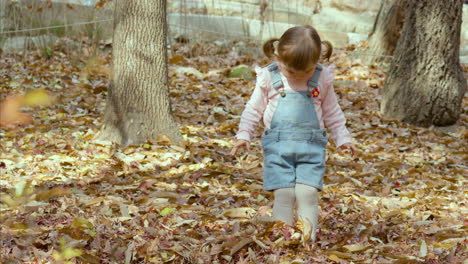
(254, 108)
(333, 117)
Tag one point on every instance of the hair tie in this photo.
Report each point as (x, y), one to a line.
(275, 45)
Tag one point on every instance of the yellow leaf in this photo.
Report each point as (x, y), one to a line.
(81, 222)
(37, 98)
(334, 258)
(19, 226)
(57, 256)
(146, 146)
(444, 245)
(69, 253)
(166, 211)
(5, 198)
(90, 232)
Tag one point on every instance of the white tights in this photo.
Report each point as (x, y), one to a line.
(307, 205)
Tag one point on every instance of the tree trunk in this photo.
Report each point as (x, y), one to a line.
(387, 28)
(138, 105)
(425, 84)
(3, 20)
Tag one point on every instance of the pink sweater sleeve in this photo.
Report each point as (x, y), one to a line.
(255, 107)
(333, 117)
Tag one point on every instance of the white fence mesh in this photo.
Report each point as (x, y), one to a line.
(343, 22)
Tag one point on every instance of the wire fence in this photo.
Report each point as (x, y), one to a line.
(180, 26)
(58, 26)
(185, 22)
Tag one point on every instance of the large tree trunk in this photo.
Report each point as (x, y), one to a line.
(387, 28)
(138, 105)
(425, 84)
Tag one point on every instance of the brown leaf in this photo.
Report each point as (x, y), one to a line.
(101, 3)
(240, 245)
(164, 140)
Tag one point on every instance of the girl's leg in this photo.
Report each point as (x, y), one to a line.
(283, 207)
(307, 206)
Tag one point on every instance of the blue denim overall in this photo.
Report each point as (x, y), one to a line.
(294, 146)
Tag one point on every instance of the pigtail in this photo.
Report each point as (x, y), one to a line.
(269, 47)
(329, 50)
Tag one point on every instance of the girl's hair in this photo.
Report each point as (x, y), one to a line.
(298, 47)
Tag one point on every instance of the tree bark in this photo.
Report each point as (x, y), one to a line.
(138, 104)
(3, 20)
(387, 28)
(425, 84)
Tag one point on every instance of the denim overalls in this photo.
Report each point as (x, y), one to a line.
(294, 146)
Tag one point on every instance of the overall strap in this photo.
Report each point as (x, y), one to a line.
(313, 81)
(275, 75)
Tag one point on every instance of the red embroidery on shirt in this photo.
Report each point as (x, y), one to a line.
(315, 92)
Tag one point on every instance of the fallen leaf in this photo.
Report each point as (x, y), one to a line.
(239, 212)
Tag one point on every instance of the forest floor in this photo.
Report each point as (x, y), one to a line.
(67, 197)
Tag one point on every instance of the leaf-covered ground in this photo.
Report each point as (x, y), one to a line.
(66, 197)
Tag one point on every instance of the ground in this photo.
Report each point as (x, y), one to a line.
(67, 197)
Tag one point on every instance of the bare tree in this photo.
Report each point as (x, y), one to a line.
(138, 105)
(387, 28)
(425, 84)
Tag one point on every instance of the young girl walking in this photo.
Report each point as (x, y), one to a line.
(295, 97)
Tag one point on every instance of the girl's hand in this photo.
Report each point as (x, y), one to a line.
(240, 143)
(350, 146)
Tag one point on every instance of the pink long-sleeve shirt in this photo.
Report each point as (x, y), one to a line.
(265, 98)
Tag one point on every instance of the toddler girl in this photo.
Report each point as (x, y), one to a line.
(295, 97)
